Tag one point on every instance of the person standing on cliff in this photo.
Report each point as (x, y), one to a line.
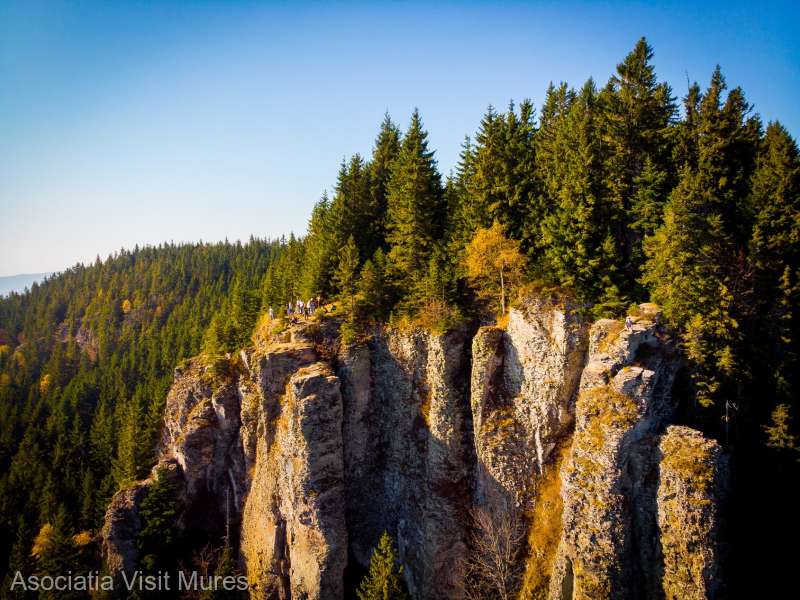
(271, 314)
(628, 323)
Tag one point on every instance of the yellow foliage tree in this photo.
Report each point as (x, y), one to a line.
(44, 383)
(494, 262)
(84, 538)
(126, 306)
(43, 541)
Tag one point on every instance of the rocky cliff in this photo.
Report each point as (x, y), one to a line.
(309, 449)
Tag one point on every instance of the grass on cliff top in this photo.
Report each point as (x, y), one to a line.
(218, 370)
(690, 457)
(436, 317)
(605, 409)
(610, 335)
(544, 529)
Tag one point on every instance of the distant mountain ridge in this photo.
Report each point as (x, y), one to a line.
(18, 283)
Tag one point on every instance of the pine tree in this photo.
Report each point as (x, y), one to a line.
(694, 261)
(416, 209)
(636, 112)
(347, 273)
(158, 535)
(579, 248)
(385, 578)
(387, 147)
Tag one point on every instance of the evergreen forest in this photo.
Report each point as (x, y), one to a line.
(603, 196)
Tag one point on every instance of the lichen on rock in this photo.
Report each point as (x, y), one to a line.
(692, 479)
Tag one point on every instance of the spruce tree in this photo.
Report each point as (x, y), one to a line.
(350, 213)
(384, 153)
(636, 112)
(464, 213)
(132, 451)
(416, 208)
(347, 273)
(579, 247)
(372, 290)
(245, 306)
(385, 578)
(55, 553)
(774, 263)
(694, 259)
(502, 185)
(320, 256)
(159, 536)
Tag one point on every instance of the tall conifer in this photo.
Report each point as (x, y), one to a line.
(416, 208)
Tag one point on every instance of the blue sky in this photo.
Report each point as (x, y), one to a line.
(125, 123)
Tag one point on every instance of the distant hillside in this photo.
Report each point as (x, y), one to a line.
(18, 283)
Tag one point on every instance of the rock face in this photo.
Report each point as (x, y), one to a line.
(201, 433)
(294, 539)
(407, 452)
(691, 488)
(609, 544)
(309, 450)
(523, 393)
(120, 529)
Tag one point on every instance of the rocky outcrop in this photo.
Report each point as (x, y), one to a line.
(524, 381)
(122, 522)
(294, 539)
(201, 433)
(609, 545)
(120, 530)
(691, 490)
(308, 450)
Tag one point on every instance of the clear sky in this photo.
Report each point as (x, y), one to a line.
(140, 122)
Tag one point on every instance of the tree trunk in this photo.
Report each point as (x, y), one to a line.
(502, 293)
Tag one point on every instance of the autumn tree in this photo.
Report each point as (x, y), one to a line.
(494, 262)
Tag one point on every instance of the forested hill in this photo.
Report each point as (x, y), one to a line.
(86, 359)
(609, 195)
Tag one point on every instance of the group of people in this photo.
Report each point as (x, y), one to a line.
(299, 309)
